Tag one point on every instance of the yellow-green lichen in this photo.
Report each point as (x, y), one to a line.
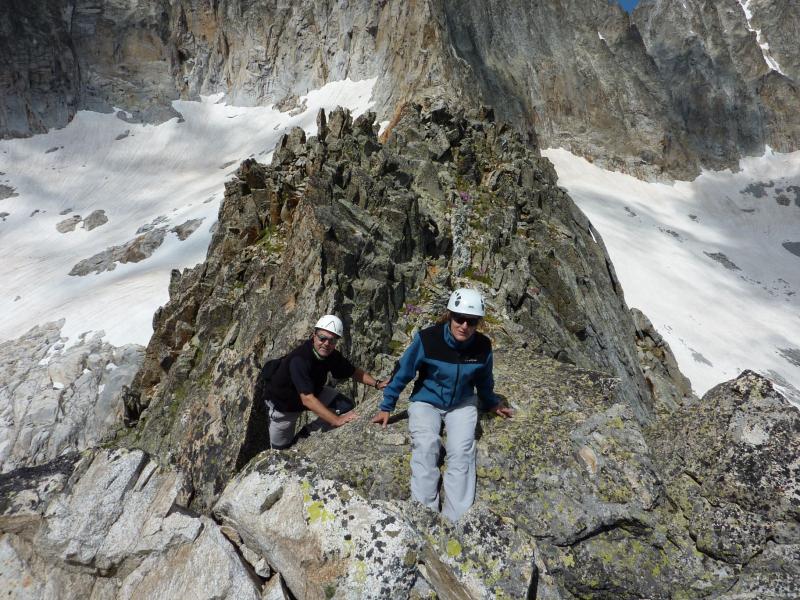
(317, 512)
(396, 347)
(453, 548)
(271, 240)
(360, 574)
(493, 473)
(493, 575)
(616, 423)
(467, 566)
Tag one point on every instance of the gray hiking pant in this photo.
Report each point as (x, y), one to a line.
(282, 424)
(424, 424)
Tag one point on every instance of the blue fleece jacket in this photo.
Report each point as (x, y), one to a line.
(449, 371)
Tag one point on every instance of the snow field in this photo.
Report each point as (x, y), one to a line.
(705, 261)
(136, 173)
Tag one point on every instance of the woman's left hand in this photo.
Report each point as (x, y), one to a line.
(502, 411)
(382, 418)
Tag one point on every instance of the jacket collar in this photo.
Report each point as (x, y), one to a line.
(312, 351)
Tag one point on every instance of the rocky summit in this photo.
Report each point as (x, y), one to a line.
(611, 480)
(576, 499)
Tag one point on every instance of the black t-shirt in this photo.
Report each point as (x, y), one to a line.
(301, 372)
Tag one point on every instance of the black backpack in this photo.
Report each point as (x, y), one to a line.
(256, 438)
(267, 372)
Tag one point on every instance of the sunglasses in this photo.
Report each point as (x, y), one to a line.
(325, 338)
(461, 319)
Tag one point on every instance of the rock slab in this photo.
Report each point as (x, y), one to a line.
(56, 398)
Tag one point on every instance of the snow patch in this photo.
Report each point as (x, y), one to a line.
(723, 291)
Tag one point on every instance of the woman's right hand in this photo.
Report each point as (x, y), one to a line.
(502, 411)
(382, 417)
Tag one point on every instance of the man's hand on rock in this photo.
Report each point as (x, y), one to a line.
(345, 418)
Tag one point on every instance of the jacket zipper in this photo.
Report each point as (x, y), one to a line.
(455, 387)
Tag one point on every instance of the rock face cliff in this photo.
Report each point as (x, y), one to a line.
(40, 82)
(776, 25)
(579, 74)
(126, 55)
(379, 234)
(727, 90)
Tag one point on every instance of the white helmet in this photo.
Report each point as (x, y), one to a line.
(467, 302)
(330, 323)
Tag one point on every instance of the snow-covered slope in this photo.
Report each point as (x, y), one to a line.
(714, 263)
(143, 177)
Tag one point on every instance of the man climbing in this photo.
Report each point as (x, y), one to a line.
(298, 384)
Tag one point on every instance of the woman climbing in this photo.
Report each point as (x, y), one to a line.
(452, 360)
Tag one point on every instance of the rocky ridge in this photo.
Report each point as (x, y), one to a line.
(576, 499)
(611, 508)
(584, 494)
(379, 234)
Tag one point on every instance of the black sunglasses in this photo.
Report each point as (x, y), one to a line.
(325, 338)
(461, 319)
